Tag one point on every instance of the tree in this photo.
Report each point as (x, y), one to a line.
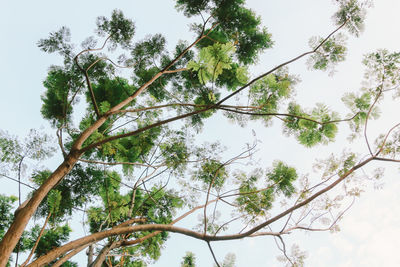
(129, 124)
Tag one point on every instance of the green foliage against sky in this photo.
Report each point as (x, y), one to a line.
(127, 114)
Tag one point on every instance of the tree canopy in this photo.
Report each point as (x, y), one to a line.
(127, 114)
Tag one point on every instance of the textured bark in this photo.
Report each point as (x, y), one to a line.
(90, 255)
(69, 255)
(103, 253)
(23, 214)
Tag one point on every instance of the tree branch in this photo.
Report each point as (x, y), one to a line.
(170, 228)
(366, 119)
(37, 241)
(212, 253)
(282, 65)
(61, 261)
(385, 139)
(121, 163)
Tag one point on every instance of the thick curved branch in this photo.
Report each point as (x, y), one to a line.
(159, 123)
(143, 87)
(308, 200)
(170, 228)
(26, 210)
(61, 261)
(121, 226)
(103, 253)
(78, 144)
(79, 249)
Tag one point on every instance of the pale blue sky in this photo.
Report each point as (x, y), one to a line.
(370, 232)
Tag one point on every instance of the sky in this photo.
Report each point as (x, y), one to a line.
(370, 230)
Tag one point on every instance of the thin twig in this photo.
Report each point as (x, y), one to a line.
(385, 139)
(212, 253)
(282, 65)
(15, 180)
(37, 241)
(122, 163)
(366, 119)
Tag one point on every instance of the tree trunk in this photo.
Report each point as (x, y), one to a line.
(25, 211)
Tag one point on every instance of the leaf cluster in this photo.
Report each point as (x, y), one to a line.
(211, 173)
(311, 128)
(118, 28)
(353, 12)
(236, 24)
(256, 201)
(78, 187)
(329, 54)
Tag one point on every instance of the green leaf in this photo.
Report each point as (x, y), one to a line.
(283, 176)
(211, 173)
(242, 75)
(192, 65)
(212, 60)
(120, 29)
(54, 200)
